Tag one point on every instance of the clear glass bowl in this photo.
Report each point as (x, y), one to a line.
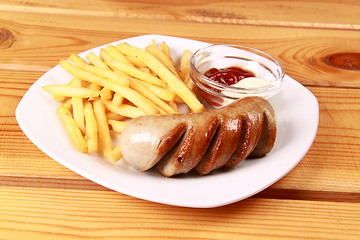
(263, 66)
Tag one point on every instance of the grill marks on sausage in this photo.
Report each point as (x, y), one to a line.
(223, 145)
(169, 141)
(250, 135)
(190, 149)
(209, 140)
(267, 137)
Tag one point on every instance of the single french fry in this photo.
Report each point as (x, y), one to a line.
(120, 78)
(75, 82)
(78, 61)
(165, 74)
(72, 82)
(117, 55)
(59, 98)
(114, 155)
(78, 108)
(117, 99)
(70, 91)
(72, 129)
(163, 58)
(104, 55)
(68, 104)
(135, 72)
(166, 49)
(161, 110)
(92, 86)
(96, 61)
(153, 43)
(91, 129)
(138, 86)
(123, 109)
(130, 94)
(117, 126)
(114, 116)
(147, 70)
(106, 94)
(95, 87)
(185, 62)
(163, 93)
(191, 85)
(105, 142)
(135, 61)
(185, 69)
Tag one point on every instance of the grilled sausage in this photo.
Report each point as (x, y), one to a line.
(176, 144)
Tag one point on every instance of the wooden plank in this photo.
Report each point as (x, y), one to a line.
(330, 165)
(304, 53)
(321, 14)
(333, 159)
(73, 214)
(58, 183)
(14, 145)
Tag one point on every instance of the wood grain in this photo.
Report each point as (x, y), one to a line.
(303, 52)
(318, 44)
(13, 85)
(58, 183)
(54, 214)
(336, 145)
(304, 14)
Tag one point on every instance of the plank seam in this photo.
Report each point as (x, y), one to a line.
(87, 185)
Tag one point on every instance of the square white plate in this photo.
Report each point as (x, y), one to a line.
(297, 114)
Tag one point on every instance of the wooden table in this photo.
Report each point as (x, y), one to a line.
(318, 44)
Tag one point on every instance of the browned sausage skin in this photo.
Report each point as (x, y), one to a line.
(178, 143)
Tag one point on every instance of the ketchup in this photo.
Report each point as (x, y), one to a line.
(229, 75)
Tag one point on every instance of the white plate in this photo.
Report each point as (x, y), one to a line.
(297, 117)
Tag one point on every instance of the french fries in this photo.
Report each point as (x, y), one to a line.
(73, 130)
(105, 93)
(117, 126)
(165, 48)
(124, 109)
(128, 93)
(78, 108)
(114, 155)
(185, 69)
(78, 61)
(71, 91)
(114, 53)
(138, 86)
(121, 79)
(161, 92)
(165, 74)
(162, 57)
(105, 142)
(91, 128)
(122, 83)
(136, 73)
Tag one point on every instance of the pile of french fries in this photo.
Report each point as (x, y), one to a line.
(122, 83)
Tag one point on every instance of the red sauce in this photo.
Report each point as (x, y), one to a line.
(229, 75)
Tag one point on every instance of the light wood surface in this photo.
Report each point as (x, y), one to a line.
(319, 199)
